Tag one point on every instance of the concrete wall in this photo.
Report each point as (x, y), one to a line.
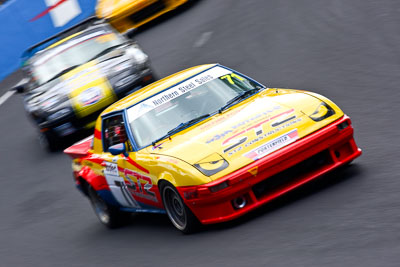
(26, 22)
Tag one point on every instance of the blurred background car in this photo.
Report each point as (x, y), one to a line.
(72, 76)
(124, 15)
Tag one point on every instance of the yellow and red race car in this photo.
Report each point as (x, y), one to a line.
(124, 15)
(208, 144)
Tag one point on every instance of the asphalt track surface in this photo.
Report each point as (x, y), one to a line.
(345, 50)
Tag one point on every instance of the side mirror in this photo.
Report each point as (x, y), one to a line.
(20, 87)
(130, 33)
(118, 149)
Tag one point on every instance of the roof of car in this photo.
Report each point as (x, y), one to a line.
(156, 87)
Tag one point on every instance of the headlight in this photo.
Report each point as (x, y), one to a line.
(136, 52)
(322, 112)
(211, 164)
(122, 78)
(122, 73)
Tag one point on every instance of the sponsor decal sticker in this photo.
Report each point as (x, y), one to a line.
(157, 146)
(111, 169)
(240, 127)
(175, 91)
(277, 123)
(260, 135)
(273, 145)
(90, 96)
(234, 143)
(118, 187)
(140, 185)
(129, 187)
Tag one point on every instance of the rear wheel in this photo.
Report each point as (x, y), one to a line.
(108, 215)
(179, 214)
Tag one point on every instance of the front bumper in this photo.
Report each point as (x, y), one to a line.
(275, 174)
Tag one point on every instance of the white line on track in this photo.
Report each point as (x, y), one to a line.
(6, 96)
(203, 39)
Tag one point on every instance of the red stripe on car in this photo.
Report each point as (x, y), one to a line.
(131, 161)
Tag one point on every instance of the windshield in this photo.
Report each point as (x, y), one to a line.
(202, 94)
(72, 53)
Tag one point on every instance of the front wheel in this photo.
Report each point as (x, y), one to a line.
(179, 214)
(108, 215)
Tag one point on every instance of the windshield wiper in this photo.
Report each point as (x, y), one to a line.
(106, 51)
(181, 126)
(62, 73)
(238, 98)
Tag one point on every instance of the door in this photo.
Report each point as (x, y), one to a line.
(131, 183)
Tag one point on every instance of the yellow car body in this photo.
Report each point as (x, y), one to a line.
(124, 15)
(218, 165)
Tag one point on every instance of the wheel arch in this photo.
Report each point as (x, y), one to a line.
(84, 186)
(87, 177)
(166, 177)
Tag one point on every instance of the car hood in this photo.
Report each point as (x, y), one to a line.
(250, 130)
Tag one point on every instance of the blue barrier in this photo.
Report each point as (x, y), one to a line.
(24, 23)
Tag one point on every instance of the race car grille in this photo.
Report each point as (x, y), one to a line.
(147, 11)
(292, 175)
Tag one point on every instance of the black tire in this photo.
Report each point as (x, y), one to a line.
(49, 142)
(154, 77)
(108, 215)
(178, 213)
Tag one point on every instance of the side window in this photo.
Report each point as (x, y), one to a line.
(114, 131)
